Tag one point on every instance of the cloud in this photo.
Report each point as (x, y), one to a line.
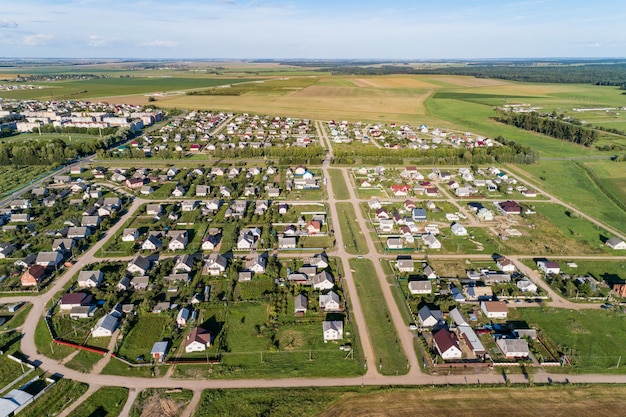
(36, 40)
(233, 2)
(99, 41)
(161, 44)
(8, 24)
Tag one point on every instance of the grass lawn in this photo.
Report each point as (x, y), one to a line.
(44, 344)
(83, 361)
(569, 181)
(340, 189)
(353, 237)
(116, 367)
(593, 339)
(368, 193)
(107, 401)
(387, 348)
(147, 330)
(165, 402)
(56, 399)
(607, 271)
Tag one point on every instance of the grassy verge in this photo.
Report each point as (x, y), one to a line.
(107, 401)
(83, 361)
(56, 399)
(390, 357)
(353, 237)
(340, 189)
(44, 344)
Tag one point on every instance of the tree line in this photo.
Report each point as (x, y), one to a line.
(508, 152)
(550, 126)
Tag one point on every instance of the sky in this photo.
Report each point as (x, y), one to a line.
(312, 29)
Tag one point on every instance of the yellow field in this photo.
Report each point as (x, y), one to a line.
(593, 401)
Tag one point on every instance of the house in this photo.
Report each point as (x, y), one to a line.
(385, 225)
(138, 265)
(257, 264)
(505, 264)
(90, 221)
(428, 271)
(210, 242)
(152, 242)
(89, 279)
(82, 312)
(124, 284)
(394, 243)
(182, 317)
(188, 205)
(74, 299)
(246, 242)
(313, 227)
(320, 261)
(202, 190)
(323, 281)
(161, 307)
(244, 276)
(179, 191)
(6, 249)
(420, 287)
(418, 214)
(20, 204)
(146, 190)
(173, 278)
(431, 241)
(179, 240)
(492, 277)
(616, 243)
(198, 340)
(287, 242)
(548, 267)
(330, 301)
(183, 263)
(333, 330)
(494, 309)
(526, 285)
(300, 304)
(458, 230)
(130, 235)
(428, 317)
(19, 218)
(405, 265)
(447, 345)
(215, 264)
(159, 350)
(33, 276)
(400, 191)
(140, 283)
(133, 183)
(513, 348)
(78, 232)
(106, 326)
(471, 339)
(49, 259)
(225, 191)
(510, 207)
(154, 209)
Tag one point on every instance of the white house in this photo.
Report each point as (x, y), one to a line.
(513, 348)
(549, 267)
(105, 326)
(333, 330)
(428, 317)
(458, 229)
(89, 279)
(505, 264)
(130, 235)
(616, 243)
(182, 317)
(447, 345)
(494, 309)
(431, 241)
(526, 285)
(330, 301)
(323, 281)
(420, 287)
(198, 340)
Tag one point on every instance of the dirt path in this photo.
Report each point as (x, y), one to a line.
(132, 396)
(79, 400)
(193, 404)
(99, 366)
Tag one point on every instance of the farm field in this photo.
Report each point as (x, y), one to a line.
(390, 357)
(582, 401)
(109, 87)
(612, 175)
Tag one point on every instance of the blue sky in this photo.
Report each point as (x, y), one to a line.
(403, 29)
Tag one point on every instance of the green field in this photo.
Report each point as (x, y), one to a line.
(109, 87)
(353, 237)
(569, 181)
(107, 401)
(340, 189)
(147, 330)
(56, 399)
(12, 177)
(390, 358)
(592, 339)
